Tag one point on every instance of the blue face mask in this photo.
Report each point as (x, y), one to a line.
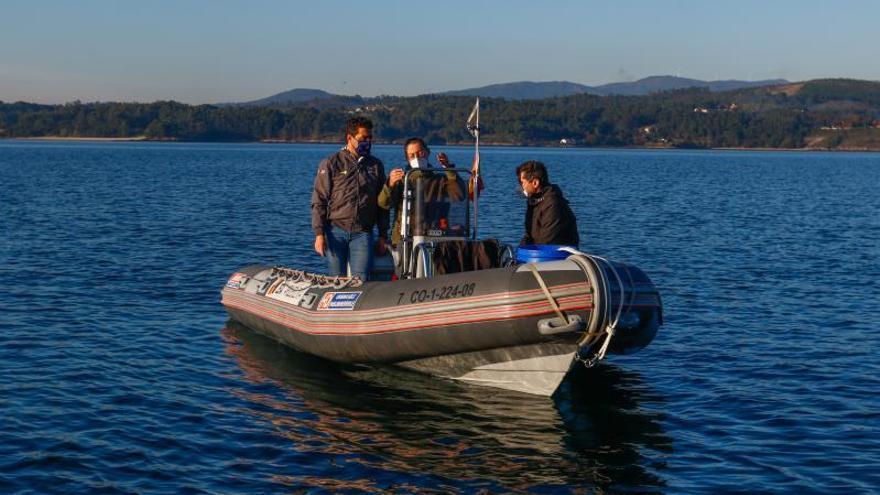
(363, 147)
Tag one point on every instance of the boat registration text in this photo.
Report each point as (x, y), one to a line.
(436, 294)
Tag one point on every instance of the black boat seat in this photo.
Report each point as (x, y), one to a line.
(466, 256)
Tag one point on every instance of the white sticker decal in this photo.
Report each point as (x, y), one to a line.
(236, 280)
(289, 291)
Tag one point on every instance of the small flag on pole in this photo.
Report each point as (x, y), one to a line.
(473, 126)
(473, 121)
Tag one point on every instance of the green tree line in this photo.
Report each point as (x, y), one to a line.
(757, 117)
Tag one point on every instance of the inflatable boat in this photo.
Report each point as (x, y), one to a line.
(457, 307)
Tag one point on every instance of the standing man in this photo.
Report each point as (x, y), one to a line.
(549, 219)
(417, 154)
(345, 203)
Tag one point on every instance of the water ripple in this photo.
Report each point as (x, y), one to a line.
(122, 375)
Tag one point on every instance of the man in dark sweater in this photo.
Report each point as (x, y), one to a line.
(549, 219)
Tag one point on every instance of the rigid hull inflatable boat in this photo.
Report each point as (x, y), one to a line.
(463, 309)
(520, 327)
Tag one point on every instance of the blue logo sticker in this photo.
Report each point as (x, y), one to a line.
(339, 301)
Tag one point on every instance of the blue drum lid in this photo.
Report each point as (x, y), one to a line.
(541, 252)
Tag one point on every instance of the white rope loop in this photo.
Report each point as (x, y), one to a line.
(581, 259)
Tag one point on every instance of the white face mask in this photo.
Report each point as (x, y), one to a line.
(418, 162)
(525, 193)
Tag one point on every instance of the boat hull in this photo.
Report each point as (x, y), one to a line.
(487, 327)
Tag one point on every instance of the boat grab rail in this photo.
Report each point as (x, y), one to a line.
(564, 323)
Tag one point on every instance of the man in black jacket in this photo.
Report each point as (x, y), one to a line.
(549, 219)
(344, 203)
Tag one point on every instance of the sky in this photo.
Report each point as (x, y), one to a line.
(201, 51)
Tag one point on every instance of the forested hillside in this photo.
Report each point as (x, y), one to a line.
(825, 114)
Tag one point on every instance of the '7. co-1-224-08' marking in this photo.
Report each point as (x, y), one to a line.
(437, 293)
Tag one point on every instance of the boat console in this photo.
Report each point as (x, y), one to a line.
(436, 218)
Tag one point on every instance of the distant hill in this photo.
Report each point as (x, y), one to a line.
(528, 90)
(524, 90)
(655, 84)
(521, 90)
(291, 97)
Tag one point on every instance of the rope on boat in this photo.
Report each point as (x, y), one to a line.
(316, 279)
(592, 268)
(550, 298)
(591, 332)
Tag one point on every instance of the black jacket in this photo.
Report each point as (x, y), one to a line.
(549, 219)
(346, 194)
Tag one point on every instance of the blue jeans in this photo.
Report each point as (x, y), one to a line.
(352, 248)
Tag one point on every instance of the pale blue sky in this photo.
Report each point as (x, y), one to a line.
(212, 51)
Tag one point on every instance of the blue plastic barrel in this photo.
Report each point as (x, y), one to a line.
(532, 253)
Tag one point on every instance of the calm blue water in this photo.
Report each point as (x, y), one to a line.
(119, 373)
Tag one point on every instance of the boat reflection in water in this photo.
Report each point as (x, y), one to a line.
(592, 433)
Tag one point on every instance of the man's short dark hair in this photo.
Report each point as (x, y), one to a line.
(416, 140)
(533, 169)
(355, 123)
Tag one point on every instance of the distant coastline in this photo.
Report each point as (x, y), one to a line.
(830, 114)
(464, 144)
(85, 138)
